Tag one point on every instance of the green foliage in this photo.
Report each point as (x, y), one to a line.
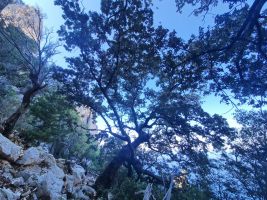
(126, 187)
(191, 193)
(51, 116)
(129, 188)
(54, 120)
(9, 99)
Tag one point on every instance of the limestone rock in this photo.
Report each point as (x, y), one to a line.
(9, 150)
(8, 176)
(51, 183)
(78, 173)
(80, 195)
(4, 3)
(30, 171)
(70, 183)
(31, 156)
(89, 179)
(7, 194)
(18, 182)
(62, 164)
(78, 191)
(44, 146)
(49, 159)
(38, 175)
(88, 190)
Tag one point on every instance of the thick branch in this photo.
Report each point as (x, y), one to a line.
(9, 124)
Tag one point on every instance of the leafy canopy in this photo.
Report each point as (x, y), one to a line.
(128, 72)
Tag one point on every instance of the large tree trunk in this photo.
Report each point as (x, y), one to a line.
(106, 178)
(9, 124)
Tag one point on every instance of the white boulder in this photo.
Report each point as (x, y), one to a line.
(7, 194)
(51, 183)
(78, 173)
(31, 156)
(9, 150)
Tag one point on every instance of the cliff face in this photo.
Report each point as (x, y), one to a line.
(4, 3)
(33, 173)
(87, 119)
(24, 17)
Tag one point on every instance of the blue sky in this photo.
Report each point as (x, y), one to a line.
(165, 14)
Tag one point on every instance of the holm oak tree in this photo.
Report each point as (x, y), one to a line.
(128, 72)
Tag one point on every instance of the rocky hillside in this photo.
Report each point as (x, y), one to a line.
(33, 173)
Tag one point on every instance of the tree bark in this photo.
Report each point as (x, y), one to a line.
(9, 124)
(106, 178)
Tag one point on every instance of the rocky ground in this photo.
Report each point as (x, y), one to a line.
(33, 173)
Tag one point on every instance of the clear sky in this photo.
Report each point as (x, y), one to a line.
(165, 14)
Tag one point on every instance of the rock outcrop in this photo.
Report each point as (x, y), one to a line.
(36, 174)
(4, 3)
(9, 150)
